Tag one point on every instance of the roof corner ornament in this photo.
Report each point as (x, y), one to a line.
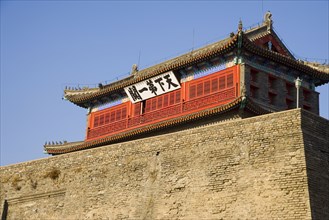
(244, 102)
(268, 20)
(240, 26)
(134, 69)
(238, 58)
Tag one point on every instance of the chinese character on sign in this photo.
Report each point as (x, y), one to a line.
(155, 86)
(143, 90)
(160, 83)
(151, 86)
(169, 81)
(134, 93)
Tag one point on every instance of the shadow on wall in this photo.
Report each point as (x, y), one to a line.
(316, 143)
(5, 210)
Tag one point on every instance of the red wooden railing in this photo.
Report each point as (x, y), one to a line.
(216, 98)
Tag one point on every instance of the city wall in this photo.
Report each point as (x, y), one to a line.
(273, 166)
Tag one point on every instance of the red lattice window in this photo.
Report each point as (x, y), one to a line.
(172, 98)
(118, 115)
(192, 91)
(110, 115)
(177, 97)
(160, 102)
(199, 89)
(137, 108)
(214, 85)
(101, 119)
(124, 113)
(209, 85)
(222, 83)
(107, 118)
(229, 80)
(154, 104)
(96, 121)
(163, 101)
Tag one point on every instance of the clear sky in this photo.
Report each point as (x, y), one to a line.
(46, 45)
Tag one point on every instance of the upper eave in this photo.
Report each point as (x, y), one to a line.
(85, 97)
(82, 98)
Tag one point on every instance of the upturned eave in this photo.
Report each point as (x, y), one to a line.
(90, 97)
(85, 98)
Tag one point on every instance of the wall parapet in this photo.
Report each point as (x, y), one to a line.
(259, 167)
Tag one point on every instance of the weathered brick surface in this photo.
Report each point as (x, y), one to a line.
(254, 168)
(316, 140)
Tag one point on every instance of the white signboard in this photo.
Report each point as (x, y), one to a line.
(155, 86)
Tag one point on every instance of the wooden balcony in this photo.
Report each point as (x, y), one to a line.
(173, 111)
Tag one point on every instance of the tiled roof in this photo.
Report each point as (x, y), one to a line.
(81, 98)
(321, 67)
(260, 32)
(76, 146)
(321, 76)
(61, 145)
(84, 97)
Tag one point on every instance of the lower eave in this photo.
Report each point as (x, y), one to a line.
(240, 102)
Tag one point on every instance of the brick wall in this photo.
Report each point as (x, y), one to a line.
(316, 141)
(240, 169)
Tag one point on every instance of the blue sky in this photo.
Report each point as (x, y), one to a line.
(46, 45)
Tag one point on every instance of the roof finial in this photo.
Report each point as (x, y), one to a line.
(268, 20)
(240, 25)
(134, 69)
